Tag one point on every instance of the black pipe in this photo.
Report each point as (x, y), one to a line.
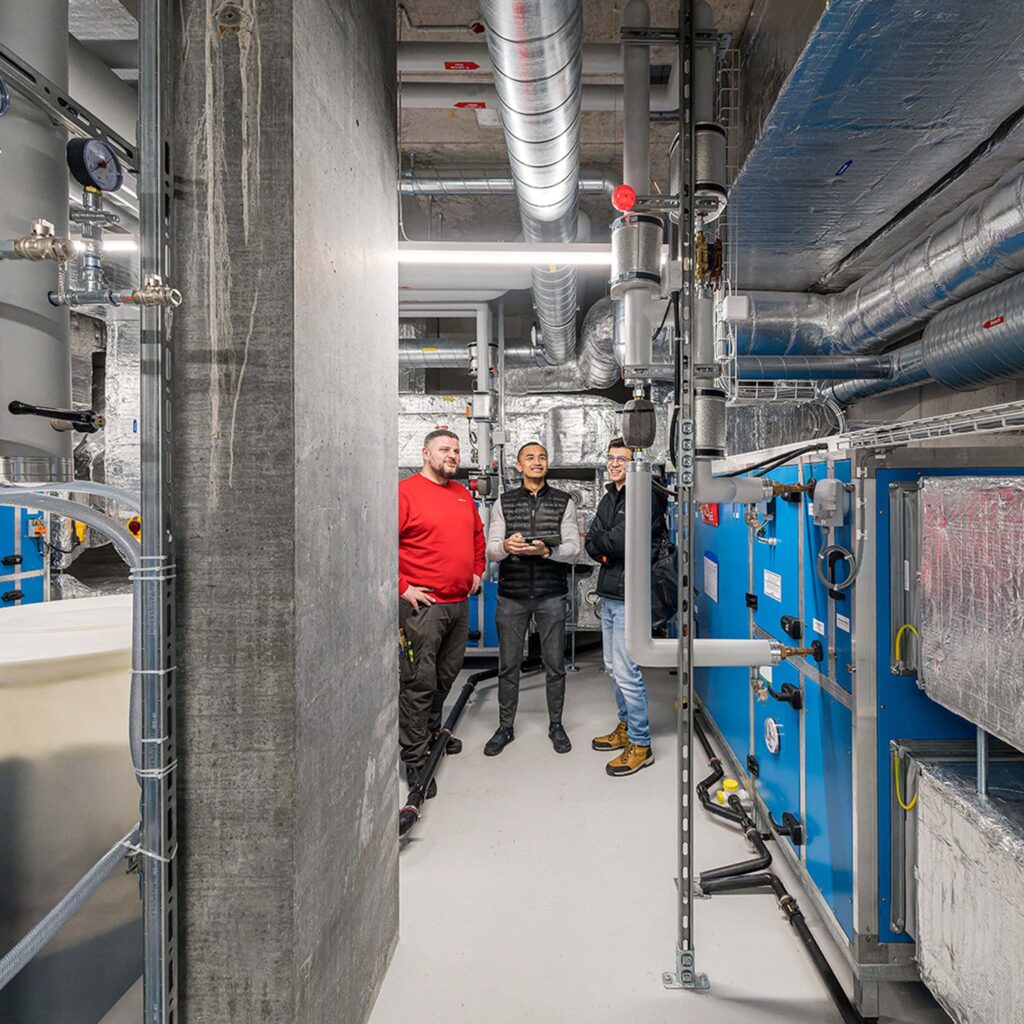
(795, 916)
(717, 774)
(750, 874)
(409, 814)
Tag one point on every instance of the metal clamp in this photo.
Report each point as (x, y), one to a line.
(686, 974)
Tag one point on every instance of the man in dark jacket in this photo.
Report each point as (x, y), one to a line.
(606, 544)
(534, 536)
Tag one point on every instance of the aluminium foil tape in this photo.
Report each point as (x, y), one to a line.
(972, 600)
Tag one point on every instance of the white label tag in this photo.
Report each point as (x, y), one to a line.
(843, 623)
(765, 672)
(711, 578)
(772, 585)
(906, 575)
(818, 626)
(810, 509)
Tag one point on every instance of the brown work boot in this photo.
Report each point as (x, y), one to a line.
(631, 760)
(615, 740)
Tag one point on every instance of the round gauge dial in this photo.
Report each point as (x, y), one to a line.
(772, 735)
(95, 165)
(5, 98)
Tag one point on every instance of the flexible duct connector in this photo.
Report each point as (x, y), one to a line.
(536, 49)
(597, 359)
(980, 245)
(978, 342)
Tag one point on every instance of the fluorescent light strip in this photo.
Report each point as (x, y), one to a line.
(507, 257)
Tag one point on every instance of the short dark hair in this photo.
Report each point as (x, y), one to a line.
(439, 433)
(617, 442)
(530, 444)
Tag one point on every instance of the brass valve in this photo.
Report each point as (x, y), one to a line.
(701, 258)
(816, 651)
(43, 244)
(778, 488)
(155, 293)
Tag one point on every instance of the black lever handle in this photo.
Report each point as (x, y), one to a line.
(789, 694)
(790, 827)
(12, 595)
(85, 421)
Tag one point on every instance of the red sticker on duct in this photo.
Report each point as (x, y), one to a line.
(709, 514)
(471, 105)
(994, 322)
(461, 65)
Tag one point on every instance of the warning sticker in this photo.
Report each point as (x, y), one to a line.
(818, 626)
(772, 585)
(843, 623)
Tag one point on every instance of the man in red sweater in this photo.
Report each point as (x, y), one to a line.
(440, 563)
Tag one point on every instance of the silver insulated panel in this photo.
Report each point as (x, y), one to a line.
(970, 892)
(972, 600)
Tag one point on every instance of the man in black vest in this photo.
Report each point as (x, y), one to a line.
(535, 536)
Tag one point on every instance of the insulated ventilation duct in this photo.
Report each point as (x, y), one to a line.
(978, 245)
(978, 342)
(536, 49)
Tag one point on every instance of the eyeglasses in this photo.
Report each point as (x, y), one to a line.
(618, 460)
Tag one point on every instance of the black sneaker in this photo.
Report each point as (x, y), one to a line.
(499, 741)
(413, 775)
(453, 746)
(559, 739)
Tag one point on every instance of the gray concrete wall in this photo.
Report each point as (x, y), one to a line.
(284, 517)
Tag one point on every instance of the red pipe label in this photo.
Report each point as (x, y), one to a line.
(994, 322)
(471, 105)
(461, 65)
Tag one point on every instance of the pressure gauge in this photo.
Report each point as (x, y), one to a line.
(5, 98)
(95, 165)
(772, 735)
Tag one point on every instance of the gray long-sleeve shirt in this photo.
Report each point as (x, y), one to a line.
(567, 551)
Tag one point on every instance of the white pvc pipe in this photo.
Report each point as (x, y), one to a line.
(740, 490)
(636, 90)
(641, 646)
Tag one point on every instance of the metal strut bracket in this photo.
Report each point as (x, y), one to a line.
(686, 974)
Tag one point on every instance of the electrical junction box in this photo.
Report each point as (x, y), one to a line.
(831, 503)
(736, 308)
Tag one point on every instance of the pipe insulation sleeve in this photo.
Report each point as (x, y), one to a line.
(130, 501)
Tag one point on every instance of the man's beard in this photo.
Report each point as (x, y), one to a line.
(447, 471)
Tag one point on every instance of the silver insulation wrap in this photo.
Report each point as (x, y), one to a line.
(972, 600)
(497, 182)
(970, 891)
(575, 429)
(597, 359)
(536, 50)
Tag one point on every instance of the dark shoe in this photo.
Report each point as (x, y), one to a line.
(499, 741)
(559, 739)
(453, 746)
(413, 775)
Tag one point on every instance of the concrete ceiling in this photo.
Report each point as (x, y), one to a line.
(459, 139)
(109, 29)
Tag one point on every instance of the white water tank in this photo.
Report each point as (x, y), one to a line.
(35, 357)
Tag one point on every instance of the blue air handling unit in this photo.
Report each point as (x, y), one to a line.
(771, 571)
(24, 560)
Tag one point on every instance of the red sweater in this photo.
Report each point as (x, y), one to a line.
(440, 538)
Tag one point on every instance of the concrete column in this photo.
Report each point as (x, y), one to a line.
(285, 516)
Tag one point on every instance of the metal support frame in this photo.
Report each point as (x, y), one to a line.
(685, 974)
(159, 811)
(62, 108)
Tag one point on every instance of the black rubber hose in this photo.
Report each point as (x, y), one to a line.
(774, 461)
(795, 916)
(717, 773)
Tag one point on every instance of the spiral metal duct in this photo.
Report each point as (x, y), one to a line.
(978, 342)
(597, 359)
(979, 245)
(536, 49)
(432, 353)
(490, 183)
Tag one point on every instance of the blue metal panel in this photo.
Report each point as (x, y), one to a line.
(725, 692)
(490, 635)
(16, 539)
(778, 778)
(815, 593)
(829, 801)
(776, 566)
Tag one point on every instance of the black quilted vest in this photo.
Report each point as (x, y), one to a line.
(537, 517)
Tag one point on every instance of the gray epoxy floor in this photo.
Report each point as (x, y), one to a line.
(538, 889)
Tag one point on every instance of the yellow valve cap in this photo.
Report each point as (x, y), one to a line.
(730, 785)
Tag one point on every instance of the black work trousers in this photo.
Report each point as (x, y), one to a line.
(438, 634)
(513, 619)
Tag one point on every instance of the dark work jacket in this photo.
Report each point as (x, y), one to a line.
(606, 539)
(536, 517)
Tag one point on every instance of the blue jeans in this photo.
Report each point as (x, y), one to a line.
(630, 692)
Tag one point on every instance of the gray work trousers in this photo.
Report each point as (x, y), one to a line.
(513, 619)
(438, 634)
